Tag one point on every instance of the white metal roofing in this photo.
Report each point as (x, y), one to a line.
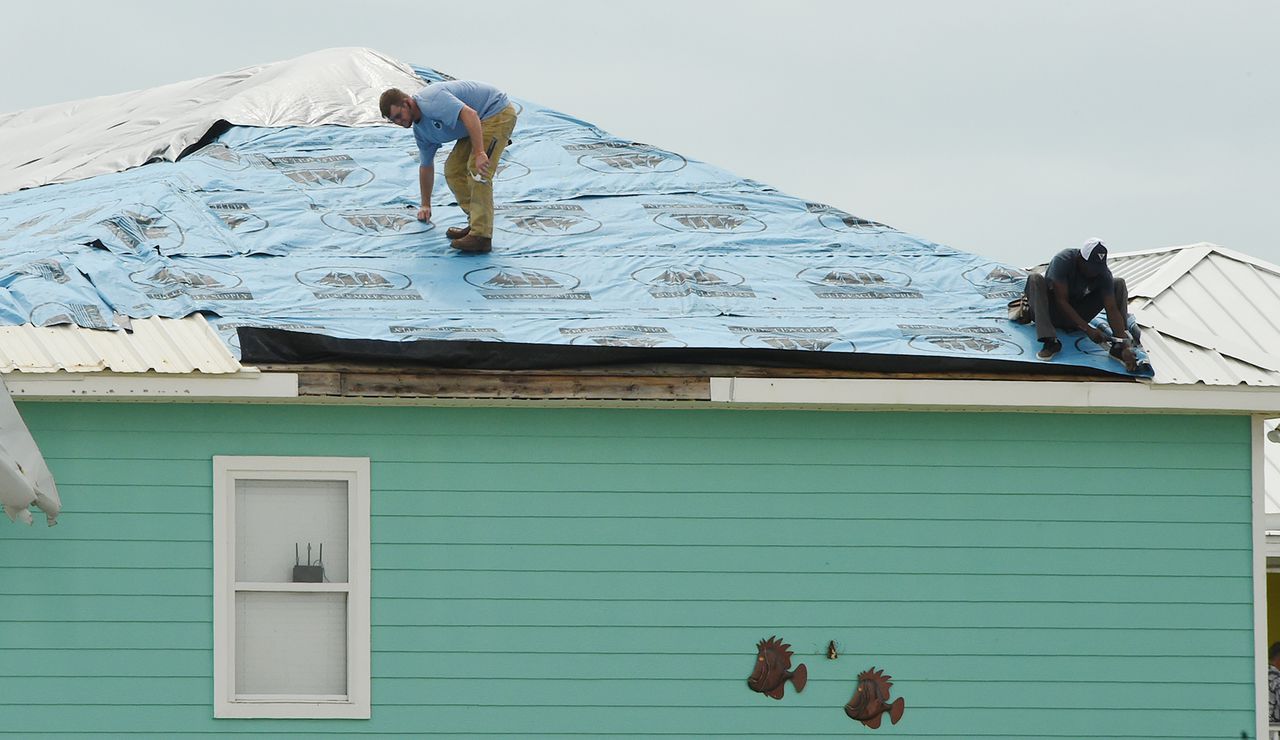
(154, 345)
(1210, 315)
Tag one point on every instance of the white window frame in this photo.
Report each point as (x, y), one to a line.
(354, 471)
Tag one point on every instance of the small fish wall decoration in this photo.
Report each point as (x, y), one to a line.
(773, 669)
(871, 700)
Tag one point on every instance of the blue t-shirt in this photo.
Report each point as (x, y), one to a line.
(1063, 267)
(441, 102)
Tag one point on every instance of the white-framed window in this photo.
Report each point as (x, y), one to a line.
(290, 622)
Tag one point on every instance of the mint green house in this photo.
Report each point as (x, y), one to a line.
(1025, 559)
(322, 475)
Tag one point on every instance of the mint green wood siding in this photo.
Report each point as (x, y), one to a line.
(595, 572)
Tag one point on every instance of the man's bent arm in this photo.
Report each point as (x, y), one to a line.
(1116, 317)
(426, 182)
(471, 120)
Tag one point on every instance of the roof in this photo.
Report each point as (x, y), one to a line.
(1210, 315)
(150, 345)
(298, 237)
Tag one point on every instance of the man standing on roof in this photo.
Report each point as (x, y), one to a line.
(1073, 289)
(477, 116)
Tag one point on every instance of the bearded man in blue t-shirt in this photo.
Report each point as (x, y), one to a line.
(1075, 287)
(480, 119)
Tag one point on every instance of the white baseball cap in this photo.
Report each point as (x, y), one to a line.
(1094, 250)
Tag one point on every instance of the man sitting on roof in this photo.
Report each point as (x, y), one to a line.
(1073, 289)
(480, 118)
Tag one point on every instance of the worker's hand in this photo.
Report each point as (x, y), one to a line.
(482, 163)
(424, 213)
(1095, 334)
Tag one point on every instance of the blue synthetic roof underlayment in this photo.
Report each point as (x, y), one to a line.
(599, 241)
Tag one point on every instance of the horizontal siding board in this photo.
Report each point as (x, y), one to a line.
(557, 572)
(33, 546)
(777, 718)
(402, 663)
(108, 662)
(829, 693)
(95, 581)
(1025, 505)
(642, 532)
(827, 426)
(917, 668)
(1027, 641)
(1182, 560)
(150, 607)
(160, 498)
(869, 612)
(433, 591)
(808, 587)
(134, 527)
(140, 634)
(664, 450)
(772, 477)
(875, 529)
(570, 691)
(613, 558)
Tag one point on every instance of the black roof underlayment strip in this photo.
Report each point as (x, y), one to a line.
(260, 345)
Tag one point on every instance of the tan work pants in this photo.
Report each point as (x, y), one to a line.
(476, 198)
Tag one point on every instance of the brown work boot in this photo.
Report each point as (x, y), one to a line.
(453, 232)
(473, 244)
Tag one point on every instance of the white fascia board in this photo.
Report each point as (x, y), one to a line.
(994, 395)
(247, 384)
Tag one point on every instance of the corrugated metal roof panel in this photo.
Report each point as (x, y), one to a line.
(1212, 314)
(1135, 270)
(154, 345)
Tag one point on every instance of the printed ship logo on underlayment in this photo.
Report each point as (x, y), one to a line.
(45, 269)
(625, 158)
(75, 219)
(334, 171)
(376, 222)
(621, 336)
(838, 220)
(86, 315)
(358, 284)
(707, 218)
(856, 282)
(48, 218)
(238, 217)
(229, 334)
(450, 333)
(562, 219)
(804, 338)
(969, 340)
(678, 281)
(32, 221)
(169, 282)
(220, 156)
(995, 281)
(502, 282)
(143, 226)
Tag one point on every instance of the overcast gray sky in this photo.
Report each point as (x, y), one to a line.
(1002, 127)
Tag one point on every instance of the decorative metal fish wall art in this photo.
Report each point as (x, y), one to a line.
(773, 669)
(870, 700)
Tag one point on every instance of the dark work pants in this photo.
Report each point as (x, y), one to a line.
(1045, 310)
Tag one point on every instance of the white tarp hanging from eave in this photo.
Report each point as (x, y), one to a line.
(24, 477)
(71, 141)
